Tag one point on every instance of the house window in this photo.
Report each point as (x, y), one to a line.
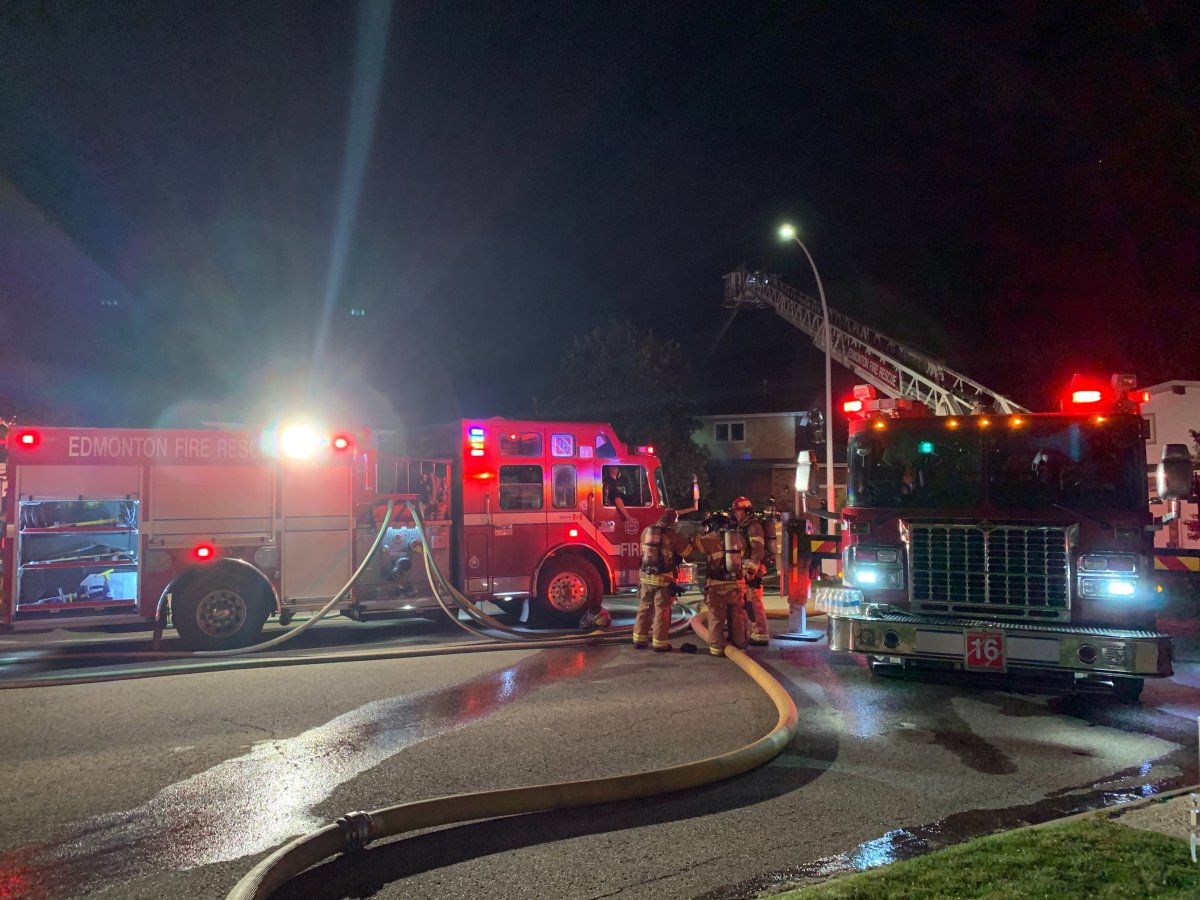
(1151, 429)
(730, 432)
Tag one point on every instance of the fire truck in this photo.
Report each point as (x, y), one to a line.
(976, 534)
(222, 529)
(993, 542)
(535, 509)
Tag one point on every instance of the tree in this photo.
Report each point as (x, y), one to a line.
(642, 385)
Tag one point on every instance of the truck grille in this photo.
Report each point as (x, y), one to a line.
(1009, 570)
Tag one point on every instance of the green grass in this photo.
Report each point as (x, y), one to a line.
(1089, 858)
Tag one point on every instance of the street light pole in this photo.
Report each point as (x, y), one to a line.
(788, 233)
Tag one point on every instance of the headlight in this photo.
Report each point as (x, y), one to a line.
(875, 567)
(1108, 562)
(1107, 587)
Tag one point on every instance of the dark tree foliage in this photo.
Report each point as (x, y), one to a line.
(627, 376)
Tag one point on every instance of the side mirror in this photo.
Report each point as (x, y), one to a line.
(1174, 473)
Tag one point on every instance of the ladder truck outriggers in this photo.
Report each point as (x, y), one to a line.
(979, 536)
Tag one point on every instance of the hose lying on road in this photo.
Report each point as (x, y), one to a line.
(355, 830)
(489, 628)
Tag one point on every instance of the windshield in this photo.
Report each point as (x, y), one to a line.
(1044, 464)
(913, 469)
(1082, 466)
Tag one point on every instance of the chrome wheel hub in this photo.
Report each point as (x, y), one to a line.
(567, 592)
(221, 613)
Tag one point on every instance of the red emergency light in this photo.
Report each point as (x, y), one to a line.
(204, 552)
(1139, 396)
(340, 442)
(572, 532)
(852, 406)
(646, 449)
(27, 439)
(1086, 396)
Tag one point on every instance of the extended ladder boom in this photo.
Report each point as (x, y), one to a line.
(892, 367)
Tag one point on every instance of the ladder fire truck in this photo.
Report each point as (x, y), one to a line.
(977, 535)
(223, 529)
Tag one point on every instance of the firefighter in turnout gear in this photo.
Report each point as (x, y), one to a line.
(755, 539)
(662, 546)
(721, 544)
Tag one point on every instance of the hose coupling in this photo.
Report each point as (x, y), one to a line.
(358, 829)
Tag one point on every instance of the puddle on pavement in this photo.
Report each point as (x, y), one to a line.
(247, 805)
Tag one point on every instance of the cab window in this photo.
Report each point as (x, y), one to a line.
(564, 487)
(604, 447)
(520, 487)
(628, 482)
(520, 443)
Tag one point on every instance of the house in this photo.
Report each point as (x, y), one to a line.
(753, 454)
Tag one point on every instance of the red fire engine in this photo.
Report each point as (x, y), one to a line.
(105, 526)
(549, 512)
(997, 542)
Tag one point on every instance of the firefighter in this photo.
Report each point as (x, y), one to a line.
(721, 544)
(755, 542)
(662, 546)
(612, 492)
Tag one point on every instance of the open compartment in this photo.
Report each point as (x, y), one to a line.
(77, 556)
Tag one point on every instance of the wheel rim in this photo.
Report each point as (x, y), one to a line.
(221, 613)
(567, 591)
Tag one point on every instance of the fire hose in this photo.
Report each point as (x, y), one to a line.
(498, 636)
(355, 830)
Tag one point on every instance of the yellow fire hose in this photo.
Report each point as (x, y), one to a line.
(355, 830)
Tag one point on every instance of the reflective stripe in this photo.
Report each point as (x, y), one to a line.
(1170, 563)
(656, 580)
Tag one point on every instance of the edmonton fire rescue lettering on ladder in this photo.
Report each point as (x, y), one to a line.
(105, 526)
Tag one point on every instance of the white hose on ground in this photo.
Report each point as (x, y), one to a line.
(320, 614)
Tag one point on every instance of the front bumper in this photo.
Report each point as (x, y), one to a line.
(884, 631)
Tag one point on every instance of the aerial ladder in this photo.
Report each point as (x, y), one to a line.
(893, 368)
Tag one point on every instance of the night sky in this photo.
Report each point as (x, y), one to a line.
(1014, 188)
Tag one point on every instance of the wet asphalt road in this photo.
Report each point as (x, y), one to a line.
(175, 787)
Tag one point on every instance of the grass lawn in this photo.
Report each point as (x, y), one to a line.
(1090, 858)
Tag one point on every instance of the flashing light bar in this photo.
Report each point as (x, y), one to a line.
(1086, 396)
(475, 440)
(852, 406)
(646, 449)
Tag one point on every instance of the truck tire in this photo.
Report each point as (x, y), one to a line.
(567, 588)
(221, 609)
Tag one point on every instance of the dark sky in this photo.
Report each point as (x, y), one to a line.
(1015, 188)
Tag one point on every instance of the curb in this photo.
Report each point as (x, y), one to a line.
(1113, 812)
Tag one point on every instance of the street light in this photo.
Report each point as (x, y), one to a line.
(788, 233)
